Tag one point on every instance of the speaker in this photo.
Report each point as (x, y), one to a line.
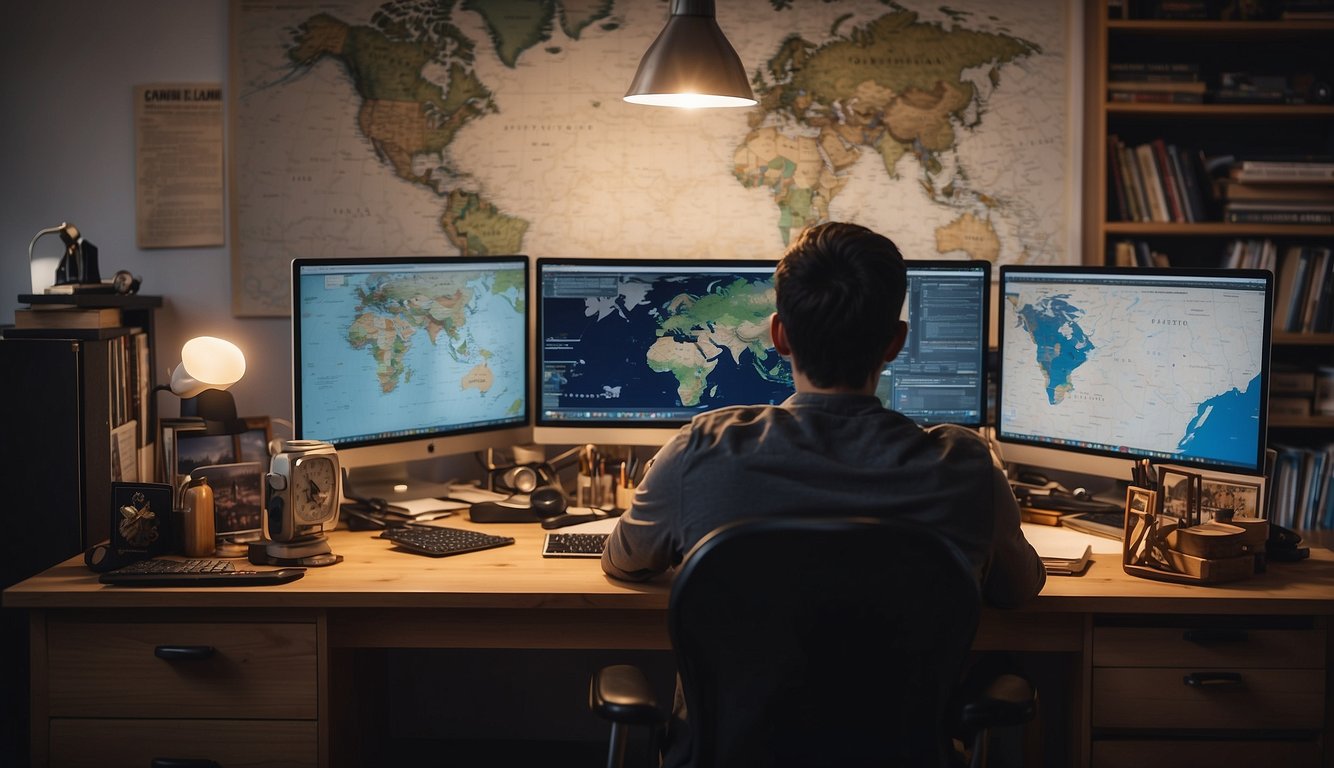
(521, 478)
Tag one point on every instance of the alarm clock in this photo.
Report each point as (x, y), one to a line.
(303, 491)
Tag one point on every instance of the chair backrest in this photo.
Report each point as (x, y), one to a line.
(810, 642)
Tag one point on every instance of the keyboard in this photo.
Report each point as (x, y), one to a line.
(574, 544)
(438, 541)
(162, 572)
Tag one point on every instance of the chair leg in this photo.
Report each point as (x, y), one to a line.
(616, 746)
(977, 757)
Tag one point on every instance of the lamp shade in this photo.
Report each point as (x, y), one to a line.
(691, 64)
(207, 362)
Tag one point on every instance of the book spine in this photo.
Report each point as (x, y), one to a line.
(1153, 185)
(1118, 190)
(1175, 202)
(1247, 216)
(1134, 185)
(1155, 97)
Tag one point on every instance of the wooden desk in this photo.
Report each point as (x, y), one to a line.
(280, 651)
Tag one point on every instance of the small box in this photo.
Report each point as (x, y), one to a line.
(1212, 571)
(1209, 540)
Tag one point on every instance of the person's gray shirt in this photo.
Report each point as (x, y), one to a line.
(826, 455)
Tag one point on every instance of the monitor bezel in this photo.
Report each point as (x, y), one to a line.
(1033, 450)
(376, 451)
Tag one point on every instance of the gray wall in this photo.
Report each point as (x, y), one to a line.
(67, 154)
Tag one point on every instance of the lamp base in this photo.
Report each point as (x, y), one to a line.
(309, 552)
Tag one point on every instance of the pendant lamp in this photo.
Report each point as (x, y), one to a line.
(691, 64)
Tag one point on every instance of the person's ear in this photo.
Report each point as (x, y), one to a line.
(897, 341)
(778, 333)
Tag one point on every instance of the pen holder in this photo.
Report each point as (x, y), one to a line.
(624, 495)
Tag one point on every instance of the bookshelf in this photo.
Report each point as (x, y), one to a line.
(1211, 131)
(1116, 37)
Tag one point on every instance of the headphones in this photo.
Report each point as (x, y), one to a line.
(520, 478)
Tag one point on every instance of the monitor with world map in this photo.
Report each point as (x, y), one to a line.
(1121, 364)
(630, 349)
(401, 359)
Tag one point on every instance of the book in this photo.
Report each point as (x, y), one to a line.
(1317, 277)
(1118, 190)
(1175, 201)
(1285, 285)
(67, 317)
(1161, 86)
(1259, 171)
(1227, 189)
(1163, 70)
(1155, 97)
(1153, 185)
(1278, 216)
(1192, 187)
(66, 333)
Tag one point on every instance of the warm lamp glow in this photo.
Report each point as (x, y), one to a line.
(691, 64)
(207, 362)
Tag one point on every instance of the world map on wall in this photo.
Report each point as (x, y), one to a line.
(494, 127)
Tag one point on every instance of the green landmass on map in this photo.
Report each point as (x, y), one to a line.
(407, 117)
(391, 313)
(894, 86)
(695, 330)
(518, 25)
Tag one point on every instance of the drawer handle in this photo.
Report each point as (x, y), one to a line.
(1214, 636)
(1211, 679)
(183, 762)
(183, 652)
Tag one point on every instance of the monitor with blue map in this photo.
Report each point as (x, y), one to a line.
(630, 349)
(402, 359)
(1122, 364)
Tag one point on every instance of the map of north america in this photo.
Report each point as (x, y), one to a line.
(496, 127)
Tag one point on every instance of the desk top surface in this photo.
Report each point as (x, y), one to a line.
(374, 575)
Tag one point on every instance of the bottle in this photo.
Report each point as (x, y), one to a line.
(197, 534)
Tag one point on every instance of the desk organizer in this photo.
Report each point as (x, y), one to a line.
(1166, 540)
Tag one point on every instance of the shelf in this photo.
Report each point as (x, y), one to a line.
(1231, 111)
(124, 301)
(1215, 229)
(1219, 30)
(1301, 422)
(1288, 339)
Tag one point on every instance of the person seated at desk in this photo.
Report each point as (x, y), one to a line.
(832, 447)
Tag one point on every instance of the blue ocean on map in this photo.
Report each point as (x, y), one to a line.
(1224, 427)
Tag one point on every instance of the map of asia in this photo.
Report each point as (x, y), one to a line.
(494, 127)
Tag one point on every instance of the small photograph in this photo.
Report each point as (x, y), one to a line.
(238, 496)
(1223, 500)
(1179, 497)
(1140, 500)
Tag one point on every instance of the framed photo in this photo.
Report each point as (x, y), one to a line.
(1179, 495)
(1221, 496)
(140, 520)
(234, 465)
(1146, 531)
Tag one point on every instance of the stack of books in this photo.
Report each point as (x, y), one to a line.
(1155, 82)
(1155, 181)
(66, 321)
(1278, 192)
(1304, 291)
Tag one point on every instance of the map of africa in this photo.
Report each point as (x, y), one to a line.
(497, 127)
(438, 348)
(1175, 372)
(661, 346)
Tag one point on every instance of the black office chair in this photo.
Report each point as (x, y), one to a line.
(822, 642)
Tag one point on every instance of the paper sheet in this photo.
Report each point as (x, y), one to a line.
(1055, 541)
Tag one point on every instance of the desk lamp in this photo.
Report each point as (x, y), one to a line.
(691, 64)
(208, 366)
(77, 270)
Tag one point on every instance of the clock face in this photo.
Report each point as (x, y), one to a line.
(314, 485)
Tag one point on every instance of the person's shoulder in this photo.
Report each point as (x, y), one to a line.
(960, 439)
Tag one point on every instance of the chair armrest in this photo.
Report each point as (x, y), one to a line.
(620, 693)
(1004, 700)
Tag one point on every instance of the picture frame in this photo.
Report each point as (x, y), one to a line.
(235, 465)
(1221, 496)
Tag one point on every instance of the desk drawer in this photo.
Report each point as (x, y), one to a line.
(1159, 697)
(248, 743)
(1204, 754)
(1228, 647)
(255, 670)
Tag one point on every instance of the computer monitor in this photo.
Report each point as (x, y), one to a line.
(941, 375)
(1110, 365)
(631, 349)
(401, 359)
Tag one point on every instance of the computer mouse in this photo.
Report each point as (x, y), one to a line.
(547, 501)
